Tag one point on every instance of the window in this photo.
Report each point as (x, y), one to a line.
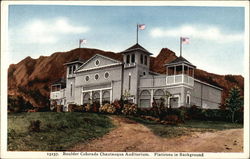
(141, 59)
(133, 58)
(144, 73)
(70, 70)
(146, 60)
(188, 99)
(128, 59)
(71, 90)
(106, 75)
(87, 78)
(96, 76)
(74, 68)
(129, 81)
(97, 62)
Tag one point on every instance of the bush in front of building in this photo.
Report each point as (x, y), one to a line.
(107, 108)
(129, 109)
(118, 106)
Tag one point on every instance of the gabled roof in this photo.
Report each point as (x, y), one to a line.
(78, 60)
(179, 60)
(116, 61)
(136, 47)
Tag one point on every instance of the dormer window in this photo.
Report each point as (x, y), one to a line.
(128, 59)
(133, 58)
(146, 60)
(70, 70)
(74, 68)
(141, 59)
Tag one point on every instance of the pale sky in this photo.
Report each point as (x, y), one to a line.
(216, 33)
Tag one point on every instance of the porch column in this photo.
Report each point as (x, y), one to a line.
(91, 97)
(111, 95)
(174, 73)
(151, 97)
(100, 97)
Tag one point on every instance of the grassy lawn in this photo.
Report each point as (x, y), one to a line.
(59, 131)
(169, 131)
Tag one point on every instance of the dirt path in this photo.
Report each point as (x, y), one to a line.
(130, 136)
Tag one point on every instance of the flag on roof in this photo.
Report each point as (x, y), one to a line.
(141, 26)
(184, 40)
(83, 41)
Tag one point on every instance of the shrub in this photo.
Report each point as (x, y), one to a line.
(59, 108)
(78, 108)
(107, 108)
(18, 104)
(129, 109)
(87, 107)
(71, 107)
(118, 106)
(34, 126)
(95, 107)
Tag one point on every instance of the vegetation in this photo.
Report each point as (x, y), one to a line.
(169, 131)
(51, 131)
(234, 102)
(18, 104)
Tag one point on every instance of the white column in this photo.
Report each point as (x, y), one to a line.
(91, 97)
(111, 95)
(174, 73)
(100, 97)
(151, 97)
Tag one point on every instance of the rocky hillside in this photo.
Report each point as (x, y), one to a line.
(31, 78)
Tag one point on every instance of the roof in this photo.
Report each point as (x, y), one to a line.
(136, 47)
(61, 82)
(180, 60)
(112, 59)
(78, 60)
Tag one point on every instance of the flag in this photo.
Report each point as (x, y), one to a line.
(141, 26)
(83, 41)
(184, 40)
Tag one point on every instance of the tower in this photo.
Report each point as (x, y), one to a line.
(180, 73)
(136, 61)
(72, 66)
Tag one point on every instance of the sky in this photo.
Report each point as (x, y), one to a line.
(216, 33)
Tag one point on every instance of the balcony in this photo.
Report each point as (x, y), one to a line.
(129, 65)
(57, 94)
(180, 79)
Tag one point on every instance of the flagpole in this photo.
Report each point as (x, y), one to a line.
(137, 34)
(79, 43)
(180, 46)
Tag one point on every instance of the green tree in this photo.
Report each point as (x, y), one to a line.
(234, 102)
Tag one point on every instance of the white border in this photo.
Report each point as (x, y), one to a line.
(4, 67)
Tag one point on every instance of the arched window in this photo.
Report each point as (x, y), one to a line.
(145, 99)
(106, 97)
(96, 96)
(159, 97)
(86, 98)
